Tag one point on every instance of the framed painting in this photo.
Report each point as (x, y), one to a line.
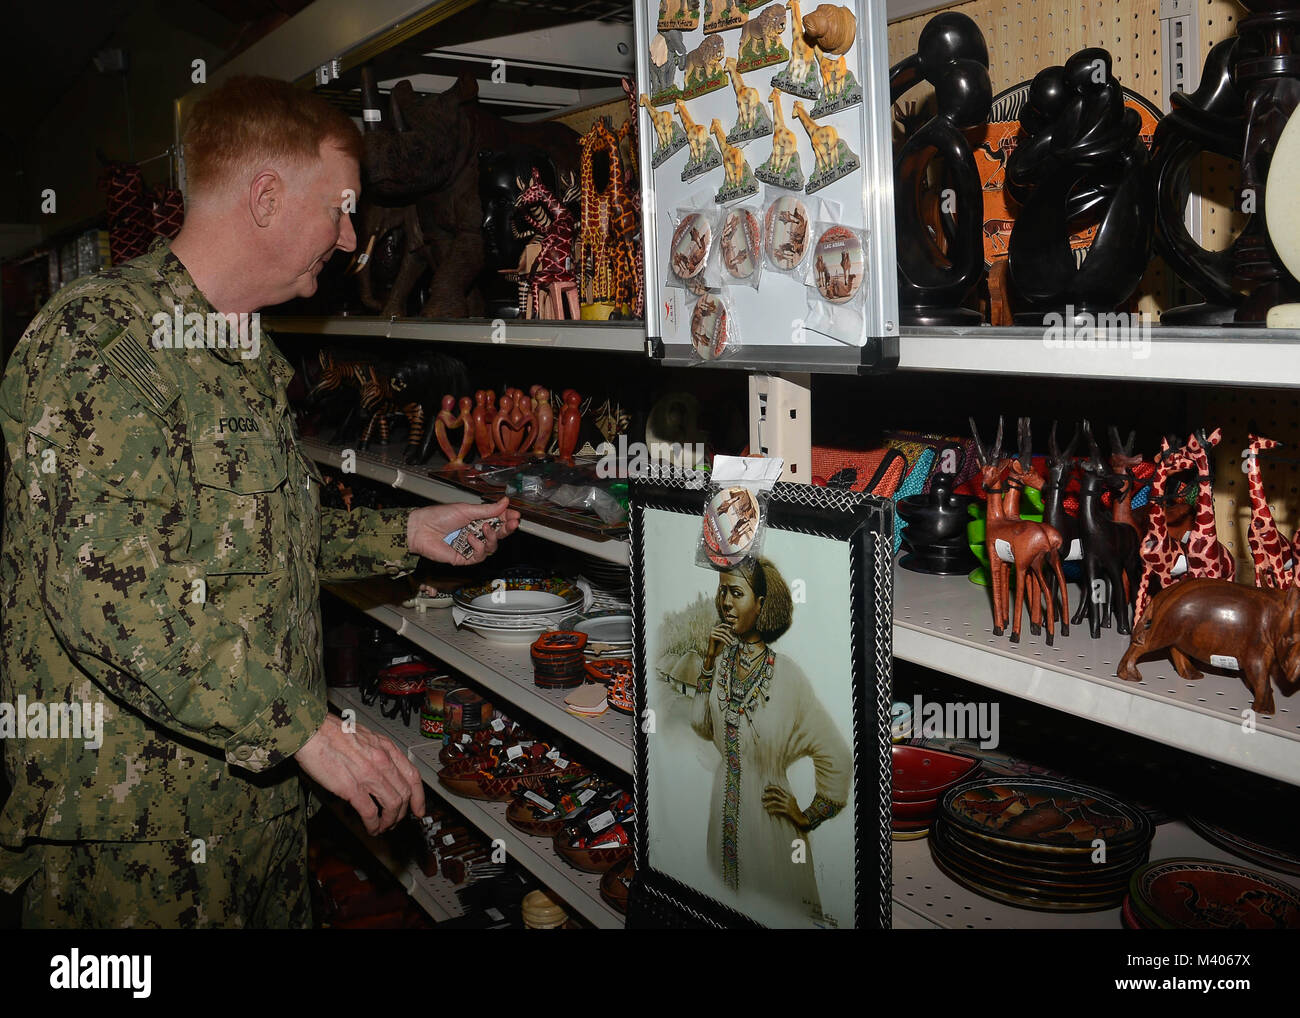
(762, 702)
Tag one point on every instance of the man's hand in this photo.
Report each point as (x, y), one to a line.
(427, 530)
(363, 768)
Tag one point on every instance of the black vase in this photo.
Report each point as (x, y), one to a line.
(935, 537)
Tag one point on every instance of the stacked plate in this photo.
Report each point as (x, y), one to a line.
(605, 575)
(920, 778)
(1273, 850)
(516, 610)
(558, 661)
(608, 631)
(1040, 844)
(1200, 894)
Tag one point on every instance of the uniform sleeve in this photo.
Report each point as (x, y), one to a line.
(110, 534)
(364, 542)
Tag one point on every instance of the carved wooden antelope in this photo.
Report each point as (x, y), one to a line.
(1021, 474)
(1122, 463)
(1110, 551)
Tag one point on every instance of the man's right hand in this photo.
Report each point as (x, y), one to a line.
(363, 768)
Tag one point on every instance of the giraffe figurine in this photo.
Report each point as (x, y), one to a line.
(782, 168)
(834, 71)
(802, 56)
(1206, 556)
(825, 139)
(662, 121)
(733, 160)
(1163, 560)
(748, 103)
(1273, 554)
(697, 135)
(606, 257)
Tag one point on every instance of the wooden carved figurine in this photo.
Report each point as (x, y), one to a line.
(1161, 553)
(547, 288)
(1206, 557)
(484, 414)
(1020, 475)
(545, 417)
(1060, 466)
(449, 420)
(831, 28)
(1273, 553)
(570, 424)
(1253, 630)
(1110, 552)
(607, 257)
(1122, 464)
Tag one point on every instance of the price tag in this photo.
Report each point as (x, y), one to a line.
(553, 754)
(495, 742)
(449, 839)
(498, 725)
(1224, 661)
(527, 743)
(514, 752)
(546, 804)
(561, 763)
(586, 795)
(600, 821)
(494, 915)
(466, 737)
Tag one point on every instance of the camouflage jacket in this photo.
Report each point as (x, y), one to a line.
(162, 552)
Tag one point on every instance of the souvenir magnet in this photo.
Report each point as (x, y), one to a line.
(709, 327)
(840, 263)
(730, 523)
(831, 29)
(679, 14)
(752, 120)
(761, 42)
(669, 136)
(690, 246)
(739, 180)
(782, 168)
(799, 76)
(704, 154)
(723, 15)
(834, 159)
(840, 89)
(705, 71)
(785, 232)
(459, 539)
(739, 243)
(667, 57)
(749, 8)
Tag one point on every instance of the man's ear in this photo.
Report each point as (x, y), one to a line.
(265, 197)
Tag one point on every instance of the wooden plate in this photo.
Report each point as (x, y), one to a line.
(1200, 894)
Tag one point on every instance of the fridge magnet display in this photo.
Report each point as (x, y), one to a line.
(679, 14)
(752, 120)
(834, 158)
(738, 180)
(712, 327)
(785, 233)
(739, 248)
(761, 42)
(669, 137)
(776, 738)
(690, 247)
(799, 77)
(705, 70)
(704, 154)
(667, 57)
(751, 7)
(839, 263)
(723, 15)
(831, 29)
(840, 90)
(782, 167)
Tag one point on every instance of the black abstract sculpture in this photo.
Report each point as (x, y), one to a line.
(940, 219)
(1081, 162)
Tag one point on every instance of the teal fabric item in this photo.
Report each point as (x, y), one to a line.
(913, 484)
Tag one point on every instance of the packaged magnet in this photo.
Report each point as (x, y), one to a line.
(738, 254)
(836, 280)
(786, 228)
(735, 509)
(714, 331)
(694, 232)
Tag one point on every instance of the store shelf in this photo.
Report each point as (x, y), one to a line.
(436, 895)
(927, 898)
(601, 337)
(389, 468)
(944, 622)
(579, 891)
(505, 671)
(1208, 356)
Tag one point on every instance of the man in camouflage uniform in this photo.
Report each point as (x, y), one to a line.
(162, 552)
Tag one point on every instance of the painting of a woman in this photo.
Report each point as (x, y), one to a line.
(761, 713)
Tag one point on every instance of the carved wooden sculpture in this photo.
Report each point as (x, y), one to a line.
(1060, 466)
(1162, 555)
(449, 420)
(1273, 555)
(1122, 464)
(606, 258)
(1206, 557)
(484, 415)
(545, 417)
(1047, 566)
(570, 424)
(1110, 552)
(548, 288)
(831, 28)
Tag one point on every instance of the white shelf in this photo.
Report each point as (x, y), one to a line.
(945, 623)
(505, 671)
(579, 891)
(1207, 356)
(388, 468)
(925, 897)
(602, 337)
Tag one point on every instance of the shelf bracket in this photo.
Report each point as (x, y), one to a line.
(780, 422)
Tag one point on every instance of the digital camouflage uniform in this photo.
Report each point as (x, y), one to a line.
(133, 472)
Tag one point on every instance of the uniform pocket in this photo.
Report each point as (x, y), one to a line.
(239, 512)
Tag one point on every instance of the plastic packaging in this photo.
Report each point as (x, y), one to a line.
(787, 225)
(735, 510)
(714, 332)
(738, 255)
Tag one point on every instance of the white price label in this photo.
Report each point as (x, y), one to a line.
(495, 742)
(494, 915)
(498, 725)
(514, 752)
(544, 803)
(449, 839)
(554, 754)
(600, 821)
(561, 763)
(586, 795)
(1224, 661)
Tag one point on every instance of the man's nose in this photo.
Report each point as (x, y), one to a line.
(347, 234)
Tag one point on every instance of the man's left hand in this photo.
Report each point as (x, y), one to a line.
(427, 530)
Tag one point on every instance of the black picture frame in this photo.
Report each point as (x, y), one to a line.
(863, 525)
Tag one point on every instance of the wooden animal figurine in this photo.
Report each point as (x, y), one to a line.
(1253, 630)
(483, 415)
(825, 139)
(545, 417)
(748, 103)
(548, 287)
(831, 28)
(1122, 463)
(1161, 553)
(338, 385)
(1060, 465)
(607, 255)
(1021, 474)
(697, 135)
(1273, 553)
(449, 420)
(1206, 557)
(1110, 552)
(570, 424)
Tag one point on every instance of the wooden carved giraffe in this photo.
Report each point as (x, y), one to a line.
(607, 260)
(801, 54)
(825, 139)
(1206, 557)
(1273, 554)
(747, 98)
(697, 135)
(733, 160)
(785, 146)
(1163, 560)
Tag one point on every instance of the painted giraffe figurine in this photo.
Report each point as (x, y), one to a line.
(747, 98)
(801, 54)
(1206, 556)
(834, 71)
(733, 159)
(825, 139)
(662, 121)
(785, 146)
(1163, 560)
(1273, 554)
(696, 134)
(551, 270)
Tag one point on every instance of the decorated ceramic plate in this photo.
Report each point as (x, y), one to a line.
(910, 835)
(1111, 883)
(921, 774)
(520, 596)
(1200, 894)
(1040, 815)
(604, 628)
(1118, 865)
(1022, 899)
(1274, 853)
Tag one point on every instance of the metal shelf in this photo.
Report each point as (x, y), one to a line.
(579, 891)
(944, 622)
(602, 337)
(927, 898)
(388, 468)
(504, 670)
(1206, 356)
